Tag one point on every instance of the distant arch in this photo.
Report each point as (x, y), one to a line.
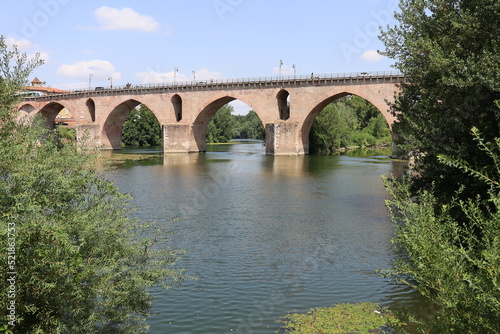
(91, 109)
(283, 106)
(177, 104)
(26, 109)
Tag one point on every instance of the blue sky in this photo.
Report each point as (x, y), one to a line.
(144, 41)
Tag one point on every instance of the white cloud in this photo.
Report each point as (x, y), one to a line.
(202, 74)
(100, 69)
(22, 44)
(372, 56)
(26, 46)
(43, 56)
(125, 19)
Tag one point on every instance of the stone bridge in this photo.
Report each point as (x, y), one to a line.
(286, 106)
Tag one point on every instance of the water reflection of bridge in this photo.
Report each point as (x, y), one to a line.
(286, 106)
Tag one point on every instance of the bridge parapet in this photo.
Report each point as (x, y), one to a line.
(228, 84)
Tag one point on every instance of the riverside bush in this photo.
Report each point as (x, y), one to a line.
(77, 263)
(455, 264)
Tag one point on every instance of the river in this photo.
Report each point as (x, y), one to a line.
(265, 235)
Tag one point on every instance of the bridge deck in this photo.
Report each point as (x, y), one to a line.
(248, 83)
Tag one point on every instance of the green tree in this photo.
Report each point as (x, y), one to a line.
(446, 217)
(449, 51)
(446, 259)
(349, 121)
(141, 128)
(249, 126)
(222, 127)
(81, 264)
(332, 129)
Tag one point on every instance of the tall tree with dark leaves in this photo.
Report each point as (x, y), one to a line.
(450, 51)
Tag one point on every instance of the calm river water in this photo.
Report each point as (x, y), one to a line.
(266, 235)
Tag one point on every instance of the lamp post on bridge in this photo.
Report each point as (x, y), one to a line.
(294, 70)
(90, 80)
(176, 69)
(110, 82)
(281, 64)
(194, 76)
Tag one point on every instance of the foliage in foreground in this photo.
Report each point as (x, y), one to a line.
(449, 51)
(80, 264)
(361, 318)
(349, 121)
(455, 264)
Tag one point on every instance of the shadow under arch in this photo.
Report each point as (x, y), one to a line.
(111, 134)
(283, 106)
(200, 125)
(50, 111)
(308, 122)
(177, 104)
(26, 109)
(91, 109)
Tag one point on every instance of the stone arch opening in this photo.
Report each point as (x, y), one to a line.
(202, 122)
(249, 125)
(91, 108)
(283, 99)
(111, 134)
(26, 110)
(357, 119)
(177, 104)
(50, 111)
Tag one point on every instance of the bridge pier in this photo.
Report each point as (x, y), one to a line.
(88, 135)
(282, 138)
(176, 138)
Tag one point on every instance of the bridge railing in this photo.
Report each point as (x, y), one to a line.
(274, 80)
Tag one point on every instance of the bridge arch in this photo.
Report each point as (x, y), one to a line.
(200, 124)
(111, 133)
(50, 111)
(26, 110)
(309, 120)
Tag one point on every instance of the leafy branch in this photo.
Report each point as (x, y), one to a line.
(490, 149)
